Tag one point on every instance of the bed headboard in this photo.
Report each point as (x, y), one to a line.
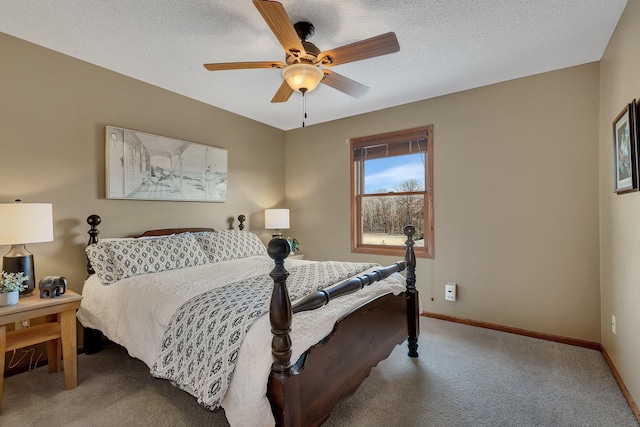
(169, 231)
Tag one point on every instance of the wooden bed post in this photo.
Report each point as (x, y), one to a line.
(92, 337)
(281, 388)
(93, 221)
(280, 312)
(413, 305)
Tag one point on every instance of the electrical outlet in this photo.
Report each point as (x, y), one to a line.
(450, 291)
(613, 324)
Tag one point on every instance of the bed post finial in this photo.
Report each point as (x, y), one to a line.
(93, 220)
(280, 313)
(241, 218)
(413, 305)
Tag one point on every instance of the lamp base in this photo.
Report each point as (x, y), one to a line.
(17, 260)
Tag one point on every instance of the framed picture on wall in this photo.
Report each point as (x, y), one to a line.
(142, 166)
(625, 150)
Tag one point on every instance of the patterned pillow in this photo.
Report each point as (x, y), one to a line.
(206, 242)
(144, 256)
(230, 244)
(101, 258)
(116, 259)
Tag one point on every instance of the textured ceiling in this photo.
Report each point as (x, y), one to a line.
(445, 45)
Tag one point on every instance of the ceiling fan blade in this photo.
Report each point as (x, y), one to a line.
(344, 84)
(283, 94)
(242, 65)
(276, 17)
(369, 48)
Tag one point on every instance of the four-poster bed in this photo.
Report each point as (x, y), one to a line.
(380, 310)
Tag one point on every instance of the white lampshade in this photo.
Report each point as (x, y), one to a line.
(302, 76)
(276, 219)
(25, 223)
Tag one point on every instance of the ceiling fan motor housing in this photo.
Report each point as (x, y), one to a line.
(304, 30)
(310, 57)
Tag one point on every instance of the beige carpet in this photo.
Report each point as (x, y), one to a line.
(465, 376)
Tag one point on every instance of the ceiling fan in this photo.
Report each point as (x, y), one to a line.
(302, 70)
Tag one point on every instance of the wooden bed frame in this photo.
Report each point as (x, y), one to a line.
(305, 392)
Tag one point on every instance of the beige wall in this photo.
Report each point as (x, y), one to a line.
(620, 214)
(516, 201)
(53, 110)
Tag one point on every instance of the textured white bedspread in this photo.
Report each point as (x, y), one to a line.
(116, 310)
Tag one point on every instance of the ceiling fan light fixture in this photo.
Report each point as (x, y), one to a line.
(302, 76)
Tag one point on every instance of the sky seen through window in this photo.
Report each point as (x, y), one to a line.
(386, 173)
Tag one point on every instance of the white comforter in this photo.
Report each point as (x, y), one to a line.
(116, 310)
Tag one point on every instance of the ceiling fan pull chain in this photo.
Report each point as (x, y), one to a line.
(304, 106)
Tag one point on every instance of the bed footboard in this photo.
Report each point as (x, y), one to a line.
(335, 367)
(305, 393)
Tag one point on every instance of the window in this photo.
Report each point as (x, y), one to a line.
(392, 186)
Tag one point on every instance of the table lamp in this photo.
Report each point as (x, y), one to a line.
(22, 223)
(276, 219)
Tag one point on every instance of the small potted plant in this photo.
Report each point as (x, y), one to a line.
(10, 286)
(293, 243)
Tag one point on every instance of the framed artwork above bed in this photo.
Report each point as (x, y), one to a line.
(142, 166)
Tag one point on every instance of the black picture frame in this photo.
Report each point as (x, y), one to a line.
(625, 150)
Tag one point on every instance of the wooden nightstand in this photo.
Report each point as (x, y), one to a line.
(58, 331)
